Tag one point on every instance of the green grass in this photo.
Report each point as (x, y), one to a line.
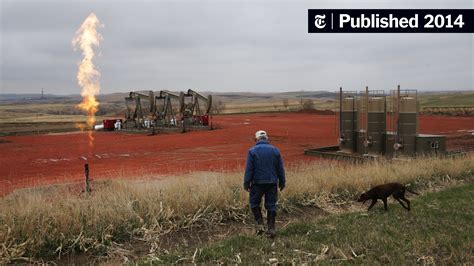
(464, 99)
(439, 229)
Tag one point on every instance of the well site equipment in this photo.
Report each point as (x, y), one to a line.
(168, 111)
(372, 124)
(197, 109)
(348, 121)
(371, 121)
(112, 124)
(166, 116)
(139, 107)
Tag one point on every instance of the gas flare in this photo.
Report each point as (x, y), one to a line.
(88, 77)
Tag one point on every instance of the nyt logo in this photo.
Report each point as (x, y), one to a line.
(390, 20)
(319, 21)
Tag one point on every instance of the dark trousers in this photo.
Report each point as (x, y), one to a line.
(270, 191)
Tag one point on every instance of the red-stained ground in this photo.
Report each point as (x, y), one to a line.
(27, 161)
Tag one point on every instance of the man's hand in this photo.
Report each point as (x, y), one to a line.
(247, 187)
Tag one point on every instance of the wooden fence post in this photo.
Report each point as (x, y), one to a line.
(88, 181)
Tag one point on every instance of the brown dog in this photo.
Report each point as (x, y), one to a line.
(384, 191)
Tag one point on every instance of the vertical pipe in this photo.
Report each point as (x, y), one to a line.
(398, 114)
(183, 130)
(152, 101)
(354, 116)
(366, 113)
(335, 116)
(417, 111)
(340, 112)
(392, 111)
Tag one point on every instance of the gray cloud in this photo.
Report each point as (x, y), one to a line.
(232, 46)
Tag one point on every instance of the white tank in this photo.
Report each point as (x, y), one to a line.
(118, 125)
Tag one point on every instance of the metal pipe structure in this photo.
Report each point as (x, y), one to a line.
(366, 122)
(398, 114)
(166, 116)
(348, 121)
(192, 113)
(407, 120)
(363, 127)
(196, 96)
(340, 115)
(136, 118)
(150, 97)
(376, 121)
(160, 111)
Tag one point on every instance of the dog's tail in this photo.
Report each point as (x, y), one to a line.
(411, 191)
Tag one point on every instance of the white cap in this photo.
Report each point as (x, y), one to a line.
(261, 135)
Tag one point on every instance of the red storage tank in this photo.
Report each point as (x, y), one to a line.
(205, 120)
(109, 124)
(202, 119)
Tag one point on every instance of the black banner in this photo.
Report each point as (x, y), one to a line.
(390, 20)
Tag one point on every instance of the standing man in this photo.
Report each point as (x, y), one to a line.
(264, 173)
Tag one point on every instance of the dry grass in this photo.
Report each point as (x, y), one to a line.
(51, 222)
(451, 111)
(274, 106)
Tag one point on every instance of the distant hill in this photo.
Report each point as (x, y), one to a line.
(450, 98)
(247, 97)
(36, 98)
(32, 96)
(119, 97)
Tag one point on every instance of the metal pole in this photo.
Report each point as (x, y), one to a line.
(340, 112)
(417, 111)
(398, 114)
(366, 113)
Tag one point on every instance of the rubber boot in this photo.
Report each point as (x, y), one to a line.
(259, 227)
(271, 232)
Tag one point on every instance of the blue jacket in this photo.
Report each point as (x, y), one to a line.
(264, 165)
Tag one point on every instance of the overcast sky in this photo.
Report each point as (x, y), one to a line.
(224, 46)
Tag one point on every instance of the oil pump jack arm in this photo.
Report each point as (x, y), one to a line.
(150, 97)
(169, 93)
(207, 100)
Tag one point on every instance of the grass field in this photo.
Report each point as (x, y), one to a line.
(460, 99)
(37, 118)
(458, 104)
(56, 221)
(438, 230)
(276, 105)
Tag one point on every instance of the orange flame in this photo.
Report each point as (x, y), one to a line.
(87, 38)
